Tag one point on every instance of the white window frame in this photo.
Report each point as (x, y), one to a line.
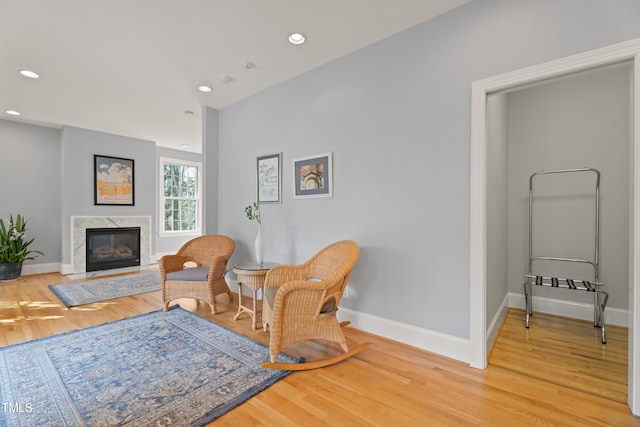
(162, 198)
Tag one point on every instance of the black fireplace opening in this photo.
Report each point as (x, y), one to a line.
(109, 248)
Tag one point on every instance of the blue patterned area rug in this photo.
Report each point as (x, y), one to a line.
(96, 290)
(162, 368)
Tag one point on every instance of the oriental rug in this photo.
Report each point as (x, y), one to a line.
(162, 368)
(96, 290)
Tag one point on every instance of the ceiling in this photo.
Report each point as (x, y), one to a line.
(132, 67)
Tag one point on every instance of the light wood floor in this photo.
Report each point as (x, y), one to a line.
(555, 373)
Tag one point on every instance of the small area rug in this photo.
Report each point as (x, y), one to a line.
(162, 368)
(96, 290)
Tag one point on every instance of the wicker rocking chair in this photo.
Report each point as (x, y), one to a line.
(210, 253)
(300, 303)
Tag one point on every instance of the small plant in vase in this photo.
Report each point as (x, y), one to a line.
(14, 247)
(253, 214)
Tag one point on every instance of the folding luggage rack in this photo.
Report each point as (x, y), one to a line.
(600, 297)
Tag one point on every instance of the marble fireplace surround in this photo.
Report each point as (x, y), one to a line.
(79, 225)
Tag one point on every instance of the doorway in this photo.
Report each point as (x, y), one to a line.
(628, 51)
(570, 123)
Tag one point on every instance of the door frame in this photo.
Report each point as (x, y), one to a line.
(626, 51)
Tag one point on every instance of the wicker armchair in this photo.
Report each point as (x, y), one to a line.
(211, 254)
(300, 303)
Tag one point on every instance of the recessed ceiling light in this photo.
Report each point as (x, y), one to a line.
(185, 145)
(189, 112)
(13, 112)
(205, 88)
(30, 74)
(297, 38)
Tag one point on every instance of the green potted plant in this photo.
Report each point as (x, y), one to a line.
(14, 247)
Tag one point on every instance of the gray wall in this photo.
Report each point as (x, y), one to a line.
(396, 116)
(571, 123)
(30, 178)
(497, 203)
(77, 196)
(210, 154)
(48, 176)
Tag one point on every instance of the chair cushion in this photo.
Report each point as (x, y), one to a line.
(328, 306)
(197, 274)
(271, 291)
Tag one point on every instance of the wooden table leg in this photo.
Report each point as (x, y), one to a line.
(254, 278)
(240, 307)
(254, 315)
(253, 311)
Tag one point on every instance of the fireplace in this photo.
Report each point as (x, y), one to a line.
(109, 248)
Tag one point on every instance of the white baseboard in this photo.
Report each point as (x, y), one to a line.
(458, 348)
(496, 323)
(66, 269)
(435, 342)
(29, 269)
(425, 339)
(575, 310)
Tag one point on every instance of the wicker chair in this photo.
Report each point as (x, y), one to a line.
(211, 254)
(300, 303)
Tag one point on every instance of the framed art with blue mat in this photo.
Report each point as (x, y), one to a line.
(161, 368)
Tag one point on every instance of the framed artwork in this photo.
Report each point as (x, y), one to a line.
(269, 173)
(113, 181)
(312, 176)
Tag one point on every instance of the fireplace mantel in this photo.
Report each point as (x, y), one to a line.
(79, 225)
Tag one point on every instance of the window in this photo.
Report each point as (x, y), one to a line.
(180, 207)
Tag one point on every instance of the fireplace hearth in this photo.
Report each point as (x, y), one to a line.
(109, 248)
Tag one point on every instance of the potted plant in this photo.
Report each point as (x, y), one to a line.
(253, 213)
(14, 247)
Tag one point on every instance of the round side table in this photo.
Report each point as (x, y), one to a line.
(251, 275)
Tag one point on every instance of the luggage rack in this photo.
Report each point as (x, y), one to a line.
(600, 297)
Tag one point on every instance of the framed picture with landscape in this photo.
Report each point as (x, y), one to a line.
(113, 181)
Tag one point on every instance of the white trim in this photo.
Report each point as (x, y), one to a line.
(497, 321)
(629, 50)
(571, 309)
(436, 342)
(66, 268)
(634, 273)
(161, 198)
(51, 267)
(478, 238)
